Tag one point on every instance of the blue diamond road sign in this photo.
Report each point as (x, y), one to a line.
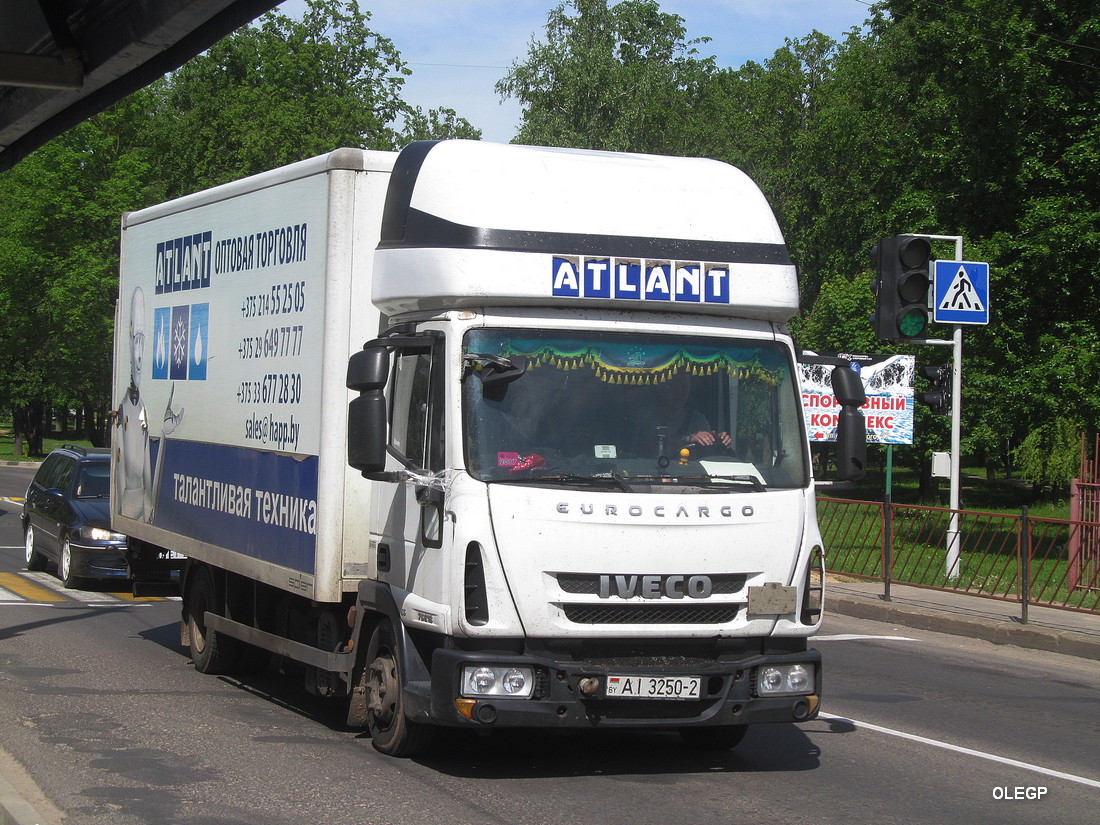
(960, 292)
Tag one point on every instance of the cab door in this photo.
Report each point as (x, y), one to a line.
(412, 508)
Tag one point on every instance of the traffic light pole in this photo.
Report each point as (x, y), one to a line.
(953, 540)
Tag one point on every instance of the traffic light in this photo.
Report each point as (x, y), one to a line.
(901, 287)
(938, 398)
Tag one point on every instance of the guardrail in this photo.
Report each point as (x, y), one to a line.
(1033, 561)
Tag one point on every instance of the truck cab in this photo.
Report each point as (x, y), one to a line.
(592, 491)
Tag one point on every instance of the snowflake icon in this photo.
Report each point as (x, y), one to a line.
(179, 343)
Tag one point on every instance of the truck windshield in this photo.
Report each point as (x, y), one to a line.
(631, 411)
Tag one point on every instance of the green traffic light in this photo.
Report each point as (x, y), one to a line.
(912, 322)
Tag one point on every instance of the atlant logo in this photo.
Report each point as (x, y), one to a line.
(181, 342)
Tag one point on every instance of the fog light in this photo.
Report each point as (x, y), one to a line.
(784, 680)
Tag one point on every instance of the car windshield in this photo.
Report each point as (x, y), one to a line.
(631, 411)
(94, 481)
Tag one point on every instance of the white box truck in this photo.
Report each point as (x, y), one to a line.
(480, 435)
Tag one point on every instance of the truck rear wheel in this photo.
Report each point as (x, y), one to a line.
(391, 731)
(714, 738)
(211, 651)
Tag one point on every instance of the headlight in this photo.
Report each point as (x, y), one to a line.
(493, 680)
(100, 534)
(784, 680)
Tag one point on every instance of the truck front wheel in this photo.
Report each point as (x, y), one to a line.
(391, 731)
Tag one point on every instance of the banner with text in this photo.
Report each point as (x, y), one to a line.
(888, 380)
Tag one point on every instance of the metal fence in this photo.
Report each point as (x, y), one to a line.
(1033, 561)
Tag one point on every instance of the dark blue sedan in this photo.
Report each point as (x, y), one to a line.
(66, 517)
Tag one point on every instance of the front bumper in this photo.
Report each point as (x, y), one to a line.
(98, 561)
(728, 688)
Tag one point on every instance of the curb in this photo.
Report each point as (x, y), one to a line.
(14, 810)
(1003, 632)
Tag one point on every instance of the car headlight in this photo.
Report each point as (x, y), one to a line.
(784, 680)
(100, 534)
(494, 680)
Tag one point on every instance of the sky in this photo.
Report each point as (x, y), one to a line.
(458, 49)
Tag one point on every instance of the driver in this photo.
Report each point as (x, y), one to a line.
(686, 425)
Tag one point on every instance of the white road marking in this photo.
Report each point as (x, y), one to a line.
(992, 757)
(84, 597)
(54, 584)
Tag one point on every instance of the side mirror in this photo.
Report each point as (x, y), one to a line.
(368, 370)
(851, 429)
(498, 373)
(848, 387)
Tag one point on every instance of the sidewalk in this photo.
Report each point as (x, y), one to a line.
(1058, 631)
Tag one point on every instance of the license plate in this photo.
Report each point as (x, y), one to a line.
(654, 687)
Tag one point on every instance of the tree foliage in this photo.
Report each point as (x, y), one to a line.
(609, 77)
(285, 90)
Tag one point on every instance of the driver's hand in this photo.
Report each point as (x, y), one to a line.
(706, 438)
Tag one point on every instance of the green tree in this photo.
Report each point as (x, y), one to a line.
(59, 214)
(1005, 99)
(437, 124)
(616, 77)
(285, 90)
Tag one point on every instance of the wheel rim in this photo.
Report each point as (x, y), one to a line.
(29, 545)
(66, 562)
(198, 625)
(382, 691)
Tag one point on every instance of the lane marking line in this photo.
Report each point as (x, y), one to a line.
(54, 584)
(59, 593)
(20, 586)
(992, 757)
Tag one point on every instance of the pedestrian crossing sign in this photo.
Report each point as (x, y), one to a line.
(960, 292)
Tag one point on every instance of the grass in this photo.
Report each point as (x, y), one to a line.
(1002, 495)
(7, 444)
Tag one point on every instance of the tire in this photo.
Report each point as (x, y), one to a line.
(65, 565)
(392, 733)
(212, 652)
(721, 738)
(34, 559)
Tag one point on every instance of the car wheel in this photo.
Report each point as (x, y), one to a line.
(34, 559)
(391, 731)
(65, 565)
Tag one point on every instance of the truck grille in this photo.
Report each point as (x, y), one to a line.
(723, 584)
(650, 613)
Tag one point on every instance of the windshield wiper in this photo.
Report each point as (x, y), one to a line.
(721, 481)
(598, 480)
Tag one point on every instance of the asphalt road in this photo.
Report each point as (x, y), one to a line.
(102, 708)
